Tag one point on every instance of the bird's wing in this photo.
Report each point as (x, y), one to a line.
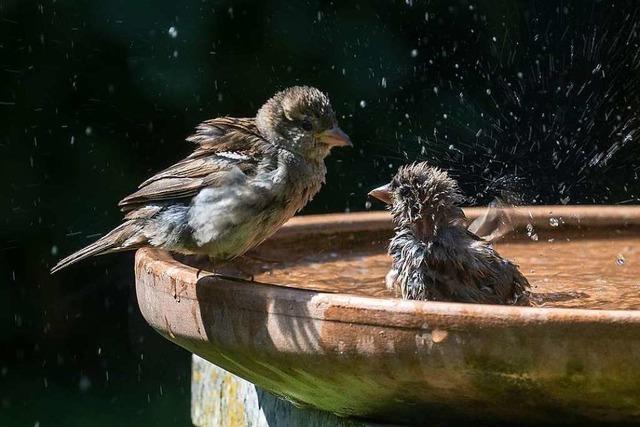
(497, 279)
(222, 134)
(226, 147)
(494, 223)
(473, 236)
(225, 139)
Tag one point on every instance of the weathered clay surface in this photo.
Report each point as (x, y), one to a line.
(408, 361)
(221, 399)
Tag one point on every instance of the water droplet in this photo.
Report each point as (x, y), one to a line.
(488, 91)
(84, 384)
(554, 222)
(367, 204)
(414, 53)
(54, 250)
(383, 83)
(173, 32)
(363, 103)
(88, 131)
(435, 90)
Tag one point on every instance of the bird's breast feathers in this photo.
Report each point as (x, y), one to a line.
(231, 219)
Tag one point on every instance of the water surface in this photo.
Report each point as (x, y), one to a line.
(600, 271)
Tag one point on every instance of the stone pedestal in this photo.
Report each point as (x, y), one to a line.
(221, 399)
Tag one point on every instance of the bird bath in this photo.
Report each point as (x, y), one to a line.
(318, 328)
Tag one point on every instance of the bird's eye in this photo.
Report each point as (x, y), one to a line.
(404, 191)
(307, 125)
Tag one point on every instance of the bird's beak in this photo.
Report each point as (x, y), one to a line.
(335, 137)
(382, 193)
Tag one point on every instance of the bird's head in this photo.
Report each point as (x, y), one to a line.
(421, 193)
(300, 119)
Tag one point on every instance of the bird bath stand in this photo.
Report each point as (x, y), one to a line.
(317, 329)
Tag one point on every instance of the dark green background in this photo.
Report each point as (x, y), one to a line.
(534, 99)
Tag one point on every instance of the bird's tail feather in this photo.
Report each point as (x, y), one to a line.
(121, 238)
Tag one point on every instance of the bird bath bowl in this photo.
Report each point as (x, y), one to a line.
(318, 328)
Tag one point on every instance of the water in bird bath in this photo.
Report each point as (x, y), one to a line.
(594, 270)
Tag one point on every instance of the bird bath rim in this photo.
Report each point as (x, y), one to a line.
(396, 360)
(581, 216)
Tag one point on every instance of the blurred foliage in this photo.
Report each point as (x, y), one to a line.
(97, 95)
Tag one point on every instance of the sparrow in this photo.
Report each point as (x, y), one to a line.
(435, 257)
(245, 178)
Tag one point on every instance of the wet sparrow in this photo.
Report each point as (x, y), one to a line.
(434, 256)
(245, 178)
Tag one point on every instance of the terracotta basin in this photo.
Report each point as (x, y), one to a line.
(400, 361)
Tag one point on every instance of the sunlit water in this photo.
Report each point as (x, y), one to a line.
(594, 273)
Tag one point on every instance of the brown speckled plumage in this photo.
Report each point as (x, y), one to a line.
(434, 256)
(244, 179)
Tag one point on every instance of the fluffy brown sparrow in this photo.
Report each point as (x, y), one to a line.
(246, 177)
(435, 256)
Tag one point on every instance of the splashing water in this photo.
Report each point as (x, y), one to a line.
(555, 109)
